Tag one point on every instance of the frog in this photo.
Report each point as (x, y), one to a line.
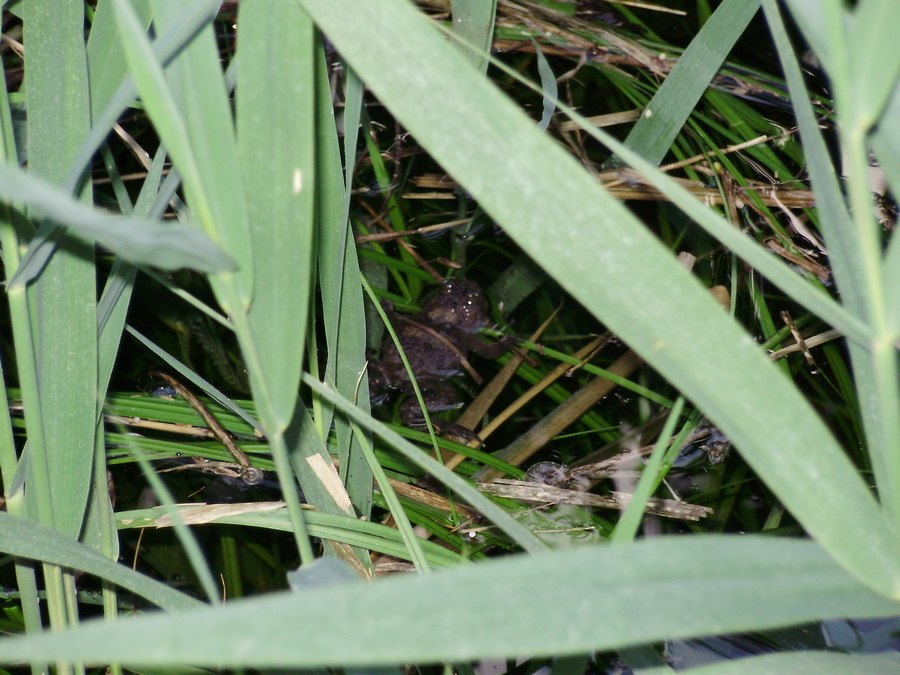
(437, 342)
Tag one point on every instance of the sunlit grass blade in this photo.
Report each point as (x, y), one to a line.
(557, 603)
(589, 242)
(24, 538)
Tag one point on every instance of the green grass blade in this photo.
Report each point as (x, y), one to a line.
(589, 242)
(548, 85)
(63, 298)
(343, 313)
(188, 542)
(556, 604)
(25, 572)
(107, 67)
(473, 21)
(821, 663)
(166, 47)
(653, 134)
(305, 442)
(275, 127)
(137, 240)
(856, 258)
(415, 552)
(194, 378)
(178, 136)
(26, 539)
(116, 298)
(874, 56)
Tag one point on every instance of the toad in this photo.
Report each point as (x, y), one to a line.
(437, 342)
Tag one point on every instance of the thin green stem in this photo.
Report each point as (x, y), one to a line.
(416, 554)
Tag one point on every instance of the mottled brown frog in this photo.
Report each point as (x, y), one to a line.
(437, 341)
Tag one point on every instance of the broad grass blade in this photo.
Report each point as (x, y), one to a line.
(26, 539)
(63, 299)
(556, 603)
(276, 141)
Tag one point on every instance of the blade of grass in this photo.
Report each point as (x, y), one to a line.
(169, 44)
(662, 119)
(630, 520)
(343, 313)
(172, 128)
(26, 578)
(197, 14)
(64, 319)
(708, 585)
(415, 552)
(275, 118)
(195, 81)
(855, 254)
(194, 378)
(473, 21)
(135, 239)
(185, 536)
(24, 538)
(56, 315)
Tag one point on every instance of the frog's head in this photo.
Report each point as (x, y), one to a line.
(458, 304)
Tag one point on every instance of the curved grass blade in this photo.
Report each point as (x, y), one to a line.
(558, 603)
(27, 539)
(138, 240)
